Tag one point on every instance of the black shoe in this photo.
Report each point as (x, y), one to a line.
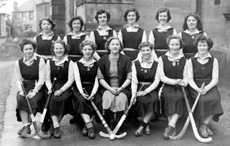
(91, 133)
(84, 131)
(73, 120)
(57, 132)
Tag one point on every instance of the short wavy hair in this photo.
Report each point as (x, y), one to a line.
(49, 20)
(132, 10)
(108, 41)
(163, 10)
(102, 12)
(87, 42)
(66, 46)
(27, 41)
(203, 38)
(171, 37)
(197, 17)
(70, 23)
(146, 44)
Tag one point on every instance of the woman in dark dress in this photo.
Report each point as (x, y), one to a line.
(30, 72)
(102, 33)
(192, 27)
(131, 35)
(204, 68)
(61, 68)
(144, 76)
(45, 38)
(173, 74)
(75, 37)
(85, 89)
(114, 74)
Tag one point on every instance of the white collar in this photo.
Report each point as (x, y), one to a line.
(65, 59)
(32, 58)
(107, 28)
(150, 61)
(175, 58)
(163, 28)
(87, 63)
(208, 55)
(191, 33)
(50, 34)
(133, 26)
(77, 35)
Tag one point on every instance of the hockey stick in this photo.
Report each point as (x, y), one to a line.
(124, 116)
(180, 135)
(42, 118)
(104, 123)
(194, 128)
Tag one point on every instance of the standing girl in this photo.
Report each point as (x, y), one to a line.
(131, 35)
(61, 68)
(75, 37)
(102, 33)
(173, 72)
(203, 68)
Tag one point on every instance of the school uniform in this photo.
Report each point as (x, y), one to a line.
(205, 71)
(131, 37)
(74, 42)
(158, 37)
(144, 76)
(30, 73)
(63, 72)
(170, 69)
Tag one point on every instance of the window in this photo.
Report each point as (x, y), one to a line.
(217, 2)
(31, 15)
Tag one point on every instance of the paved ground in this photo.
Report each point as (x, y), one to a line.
(71, 134)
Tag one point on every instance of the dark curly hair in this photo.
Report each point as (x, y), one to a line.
(163, 10)
(203, 38)
(102, 12)
(132, 10)
(108, 41)
(73, 19)
(49, 20)
(146, 44)
(26, 41)
(174, 37)
(66, 46)
(197, 17)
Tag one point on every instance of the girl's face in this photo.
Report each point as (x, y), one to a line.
(174, 46)
(59, 50)
(102, 19)
(131, 17)
(163, 18)
(46, 26)
(76, 25)
(114, 46)
(202, 47)
(28, 50)
(191, 22)
(87, 51)
(146, 52)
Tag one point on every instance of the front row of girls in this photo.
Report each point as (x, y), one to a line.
(115, 72)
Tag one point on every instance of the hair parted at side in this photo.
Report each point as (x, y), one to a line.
(87, 42)
(197, 17)
(27, 41)
(49, 20)
(171, 37)
(102, 12)
(203, 38)
(163, 10)
(66, 46)
(70, 23)
(132, 10)
(146, 44)
(109, 40)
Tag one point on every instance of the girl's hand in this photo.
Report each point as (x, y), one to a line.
(21, 93)
(58, 93)
(204, 91)
(113, 91)
(178, 81)
(133, 100)
(85, 95)
(31, 94)
(142, 93)
(182, 83)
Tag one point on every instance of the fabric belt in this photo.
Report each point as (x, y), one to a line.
(102, 51)
(145, 83)
(161, 50)
(75, 55)
(130, 49)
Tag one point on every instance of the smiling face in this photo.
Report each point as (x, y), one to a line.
(28, 51)
(131, 17)
(163, 18)
(46, 26)
(87, 51)
(59, 50)
(76, 25)
(174, 46)
(102, 19)
(114, 46)
(202, 47)
(191, 22)
(146, 52)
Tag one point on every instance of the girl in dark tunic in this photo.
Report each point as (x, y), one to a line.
(61, 68)
(131, 35)
(144, 76)
(85, 89)
(45, 38)
(192, 27)
(173, 73)
(102, 33)
(203, 68)
(114, 74)
(75, 37)
(30, 71)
